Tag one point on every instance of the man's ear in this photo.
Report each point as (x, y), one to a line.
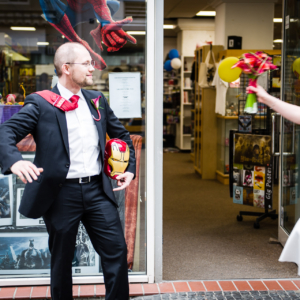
(65, 69)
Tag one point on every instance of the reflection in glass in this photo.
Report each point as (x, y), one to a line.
(27, 58)
(290, 210)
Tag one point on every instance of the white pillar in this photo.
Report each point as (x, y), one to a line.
(250, 19)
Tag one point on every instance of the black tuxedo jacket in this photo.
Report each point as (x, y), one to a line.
(48, 126)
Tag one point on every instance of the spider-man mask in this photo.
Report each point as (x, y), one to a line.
(116, 158)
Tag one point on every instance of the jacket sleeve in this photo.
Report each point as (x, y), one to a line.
(115, 129)
(14, 130)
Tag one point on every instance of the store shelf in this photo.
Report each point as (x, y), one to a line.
(205, 121)
(238, 53)
(192, 157)
(236, 117)
(187, 134)
(183, 140)
(198, 170)
(137, 128)
(227, 117)
(223, 178)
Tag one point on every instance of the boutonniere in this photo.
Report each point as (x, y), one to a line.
(96, 103)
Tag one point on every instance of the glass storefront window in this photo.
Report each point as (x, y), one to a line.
(30, 33)
(290, 209)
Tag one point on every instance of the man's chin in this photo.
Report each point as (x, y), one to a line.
(87, 83)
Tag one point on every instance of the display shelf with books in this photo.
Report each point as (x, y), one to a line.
(171, 107)
(204, 121)
(183, 128)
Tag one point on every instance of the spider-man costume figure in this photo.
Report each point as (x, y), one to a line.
(64, 17)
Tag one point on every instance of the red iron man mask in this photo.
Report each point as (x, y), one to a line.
(116, 158)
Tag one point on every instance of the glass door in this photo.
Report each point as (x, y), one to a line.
(289, 204)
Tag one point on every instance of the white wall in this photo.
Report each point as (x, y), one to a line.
(169, 43)
(252, 21)
(191, 38)
(220, 24)
(193, 32)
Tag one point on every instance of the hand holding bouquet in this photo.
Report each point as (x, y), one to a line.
(254, 65)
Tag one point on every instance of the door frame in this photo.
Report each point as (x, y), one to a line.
(282, 233)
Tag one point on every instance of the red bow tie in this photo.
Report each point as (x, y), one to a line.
(67, 106)
(58, 101)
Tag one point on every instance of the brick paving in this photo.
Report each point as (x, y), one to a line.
(272, 289)
(226, 295)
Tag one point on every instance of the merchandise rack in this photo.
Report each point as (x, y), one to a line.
(261, 215)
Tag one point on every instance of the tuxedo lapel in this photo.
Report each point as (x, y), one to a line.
(94, 113)
(62, 121)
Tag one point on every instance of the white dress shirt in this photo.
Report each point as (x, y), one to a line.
(83, 138)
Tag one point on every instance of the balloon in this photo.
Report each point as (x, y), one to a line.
(176, 63)
(296, 67)
(167, 66)
(173, 54)
(226, 73)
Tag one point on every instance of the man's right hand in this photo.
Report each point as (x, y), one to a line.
(26, 170)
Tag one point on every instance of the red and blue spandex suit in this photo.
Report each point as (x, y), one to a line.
(65, 17)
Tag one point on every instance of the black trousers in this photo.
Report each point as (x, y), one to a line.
(87, 203)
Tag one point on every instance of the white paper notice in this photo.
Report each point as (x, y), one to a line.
(125, 94)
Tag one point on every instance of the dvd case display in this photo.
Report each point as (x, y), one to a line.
(252, 171)
(6, 200)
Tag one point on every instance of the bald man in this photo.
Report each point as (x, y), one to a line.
(65, 184)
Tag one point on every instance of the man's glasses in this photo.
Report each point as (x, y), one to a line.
(86, 64)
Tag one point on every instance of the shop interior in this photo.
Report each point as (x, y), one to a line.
(204, 235)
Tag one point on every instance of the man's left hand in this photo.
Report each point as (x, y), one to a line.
(123, 181)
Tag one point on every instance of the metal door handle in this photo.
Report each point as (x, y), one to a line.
(274, 115)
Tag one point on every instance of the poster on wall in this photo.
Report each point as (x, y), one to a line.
(22, 220)
(252, 171)
(245, 124)
(28, 253)
(86, 260)
(6, 200)
(24, 253)
(125, 94)
(252, 149)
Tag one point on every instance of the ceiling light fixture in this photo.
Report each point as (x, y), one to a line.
(136, 32)
(277, 20)
(206, 13)
(42, 43)
(22, 28)
(278, 41)
(169, 26)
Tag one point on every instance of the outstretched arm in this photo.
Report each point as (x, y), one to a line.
(12, 132)
(110, 31)
(287, 110)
